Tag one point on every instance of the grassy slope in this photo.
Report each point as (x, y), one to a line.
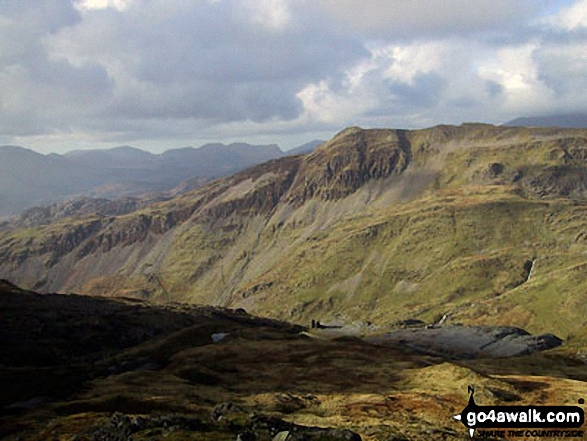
(461, 249)
(464, 255)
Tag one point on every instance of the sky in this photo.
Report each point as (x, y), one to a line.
(161, 74)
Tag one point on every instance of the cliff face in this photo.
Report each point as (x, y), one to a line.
(374, 223)
(347, 162)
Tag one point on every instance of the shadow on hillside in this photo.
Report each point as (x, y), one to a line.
(68, 354)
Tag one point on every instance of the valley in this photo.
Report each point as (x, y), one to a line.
(115, 179)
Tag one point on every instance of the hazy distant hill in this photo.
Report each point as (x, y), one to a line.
(309, 147)
(30, 179)
(572, 120)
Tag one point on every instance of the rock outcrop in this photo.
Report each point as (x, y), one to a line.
(463, 342)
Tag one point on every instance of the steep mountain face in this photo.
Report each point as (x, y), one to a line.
(475, 224)
(351, 159)
(30, 179)
(79, 207)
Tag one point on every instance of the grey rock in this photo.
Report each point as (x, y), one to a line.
(463, 342)
(224, 409)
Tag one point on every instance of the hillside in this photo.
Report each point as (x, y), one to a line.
(473, 224)
(79, 368)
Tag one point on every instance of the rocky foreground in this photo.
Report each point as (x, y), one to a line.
(80, 368)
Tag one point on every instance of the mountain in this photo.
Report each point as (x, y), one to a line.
(81, 207)
(475, 224)
(30, 179)
(569, 120)
(308, 147)
(123, 156)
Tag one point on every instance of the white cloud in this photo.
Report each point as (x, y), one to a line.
(322, 104)
(515, 69)
(134, 70)
(391, 83)
(409, 61)
(120, 5)
(571, 17)
(273, 14)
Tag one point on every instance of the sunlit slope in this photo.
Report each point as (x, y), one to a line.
(483, 223)
(484, 257)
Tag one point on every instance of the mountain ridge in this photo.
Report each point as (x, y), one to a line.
(30, 179)
(378, 224)
(568, 120)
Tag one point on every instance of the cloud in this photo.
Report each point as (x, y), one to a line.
(399, 84)
(121, 5)
(572, 17)
(273, 14)
(562, 68)
(222, 61)
(515, 70)
(38, 92)
(134, 70)
(430, 18)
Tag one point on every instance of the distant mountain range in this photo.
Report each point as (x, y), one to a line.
(569, 120)
(29, 179)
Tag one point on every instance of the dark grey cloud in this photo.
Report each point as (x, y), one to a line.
(48, 15)
(38, 92)
(165, 70)
(425, 90)
(397, 97)
(401, 19)
(563, 67)
(493, 88)
(207, 60)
